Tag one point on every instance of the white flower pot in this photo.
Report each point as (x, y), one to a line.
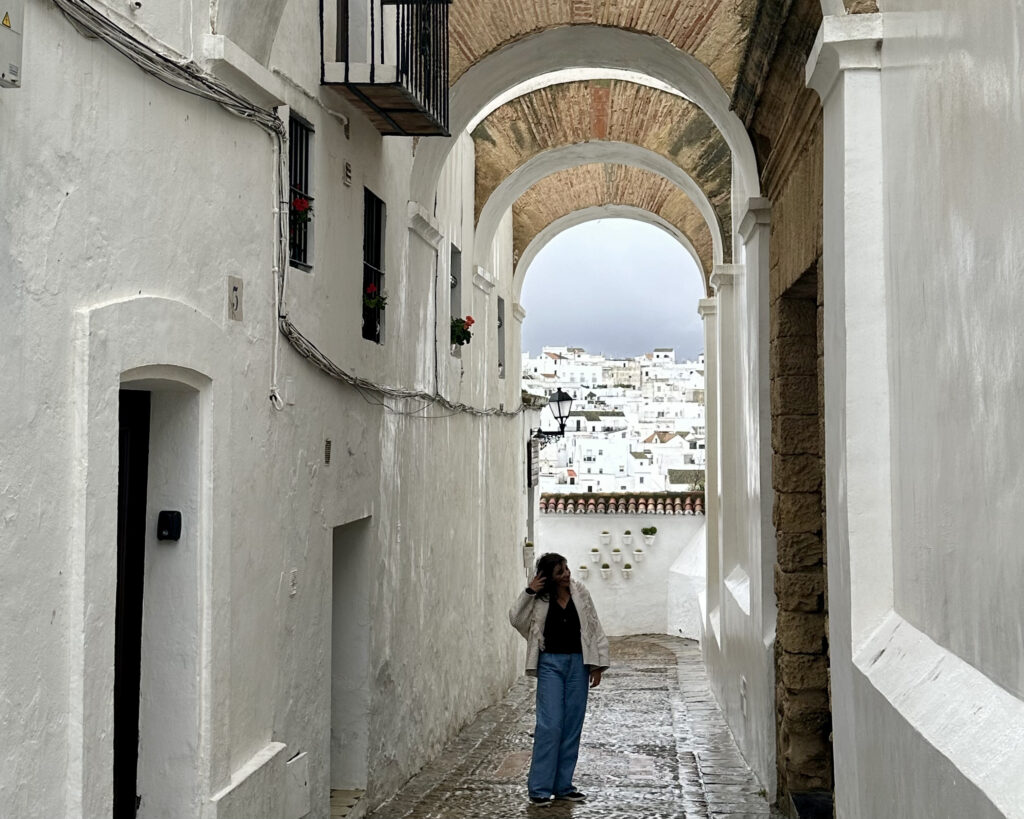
(606, 573)
(616, 557)
(638, 555)
(649, 539)
(595, 557)
(627, 573)
(606, 539)
(627, 539)
(528, 556)
(583, 572)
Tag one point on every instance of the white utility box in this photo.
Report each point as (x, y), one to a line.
(12, 18)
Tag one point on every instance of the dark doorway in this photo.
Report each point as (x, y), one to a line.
(133, 465)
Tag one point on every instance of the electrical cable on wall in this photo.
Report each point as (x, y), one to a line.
(186, 76)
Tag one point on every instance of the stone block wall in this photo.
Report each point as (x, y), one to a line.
(785, 124)
(803, 716)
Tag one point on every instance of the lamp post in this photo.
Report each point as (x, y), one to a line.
(559, 402)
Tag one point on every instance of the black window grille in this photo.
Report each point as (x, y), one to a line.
(300, 200)
(374, 215)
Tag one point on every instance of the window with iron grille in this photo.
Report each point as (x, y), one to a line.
(300, 202)
(374, 215)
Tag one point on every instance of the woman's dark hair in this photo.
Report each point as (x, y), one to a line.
(546, 564)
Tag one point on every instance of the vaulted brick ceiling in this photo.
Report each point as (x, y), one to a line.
(613, 110)
(601, 184)
(713, 31)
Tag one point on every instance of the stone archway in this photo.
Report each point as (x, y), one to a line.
(586, 46)
(583, 186)
(604, 120)
(570, 156)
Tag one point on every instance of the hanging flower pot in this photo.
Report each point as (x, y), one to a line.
(583, 571)
(606, 537)
(595, 555)
(627, 537)
(528, 553)
(460, 332)
(606, 571)
(638, 555)
(649, 532)
(627, 571)
(617, 555)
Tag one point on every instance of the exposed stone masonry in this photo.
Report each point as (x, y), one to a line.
(784, 120)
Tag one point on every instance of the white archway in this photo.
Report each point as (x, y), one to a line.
(585, 153)
(585, 46)
(591, 214)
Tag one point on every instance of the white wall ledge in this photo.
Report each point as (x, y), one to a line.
(483, 280)
(424, 226)
(843, 43)
(929, 686)
(242, 72)
(738, 584)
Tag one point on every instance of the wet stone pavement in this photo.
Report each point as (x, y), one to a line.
(654, 746)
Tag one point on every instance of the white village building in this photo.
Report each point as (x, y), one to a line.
(255, 487)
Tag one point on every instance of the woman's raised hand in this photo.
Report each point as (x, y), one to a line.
(537, 584)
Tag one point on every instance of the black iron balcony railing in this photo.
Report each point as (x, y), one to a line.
(391, 61)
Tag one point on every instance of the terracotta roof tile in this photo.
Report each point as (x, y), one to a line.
(617, 503)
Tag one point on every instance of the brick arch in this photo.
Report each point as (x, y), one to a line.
(569, 156)
(615, 111)
(593, 185)
(714, 32)
(585, 47)
(590, 214)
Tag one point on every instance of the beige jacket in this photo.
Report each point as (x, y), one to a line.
(529, 613)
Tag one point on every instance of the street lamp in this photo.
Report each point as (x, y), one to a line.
(560, 403)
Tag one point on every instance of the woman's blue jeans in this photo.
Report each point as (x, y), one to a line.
(562, 686)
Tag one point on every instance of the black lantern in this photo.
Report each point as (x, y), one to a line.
(560, 403)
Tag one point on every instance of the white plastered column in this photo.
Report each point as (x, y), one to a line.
(845, 69)
(729, 485)
(755, 232)
(708, 311)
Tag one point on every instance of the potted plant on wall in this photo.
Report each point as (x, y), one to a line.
(649, 532)
(583, 571)
(627, 537)
(460, 332)
(606, 571)
(617, 554)
(595, 555)
(638, 555)
(627, 570)
(528, 554)
(606, 537)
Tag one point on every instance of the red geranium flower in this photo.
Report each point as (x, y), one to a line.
(469, 321)
(371, 288)
(300, 204)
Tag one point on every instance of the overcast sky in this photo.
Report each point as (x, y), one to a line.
(613, 286)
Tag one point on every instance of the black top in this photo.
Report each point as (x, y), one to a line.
(562, 629)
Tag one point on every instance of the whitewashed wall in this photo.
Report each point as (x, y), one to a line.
(134, 204)
(652, 600)
(927, 668)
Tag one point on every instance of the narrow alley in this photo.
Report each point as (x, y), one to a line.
(654, 745)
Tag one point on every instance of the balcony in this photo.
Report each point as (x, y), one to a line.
(390, 60)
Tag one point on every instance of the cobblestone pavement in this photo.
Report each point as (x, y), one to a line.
(654, 746)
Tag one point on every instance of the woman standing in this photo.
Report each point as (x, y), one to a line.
(566, 649)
